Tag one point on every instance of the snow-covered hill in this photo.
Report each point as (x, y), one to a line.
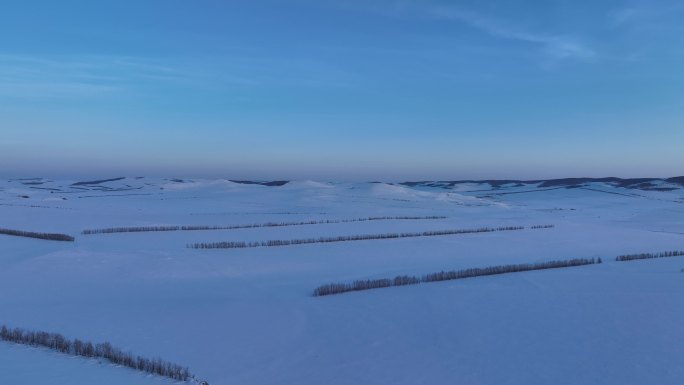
(247, 316)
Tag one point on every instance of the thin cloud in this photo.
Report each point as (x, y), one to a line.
(631, 16)
(39, 77)
(35, 77)
(625, 16)
(555, 47)
(558, 47)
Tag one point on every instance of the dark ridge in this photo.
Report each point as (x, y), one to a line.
(612, 192)
(520, 192)
(632, 183)
(500, 183)
(676, 180)
(617, 182)
(574, 181)
(27, 179)
(110, 189)
(275, 183)
(112, 195)
(87, 349)
(452, 183)
(661, 188)
(413, 184)
(638, 183)
(403, 280)
(92, 182)
(30, 234)
(496, 183)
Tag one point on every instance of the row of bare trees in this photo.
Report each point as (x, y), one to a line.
(663, 254)
(402, 280)
(542, 226)
(346, 238)
(31, 234)
(105, 350)
(136, 229)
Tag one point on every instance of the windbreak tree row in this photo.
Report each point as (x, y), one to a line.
(31, 234)
(402, 280)
(136, 229)
(542, 227)
(105, 350)
(663, 254)
(347, 238)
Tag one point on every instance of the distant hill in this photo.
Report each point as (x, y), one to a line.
(631, 183)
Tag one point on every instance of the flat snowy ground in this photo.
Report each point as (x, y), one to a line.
(247, 316)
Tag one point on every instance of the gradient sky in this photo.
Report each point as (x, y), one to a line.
(334, 89)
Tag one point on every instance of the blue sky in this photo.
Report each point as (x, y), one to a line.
(341, 89)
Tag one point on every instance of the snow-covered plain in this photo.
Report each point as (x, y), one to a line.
(247, 316)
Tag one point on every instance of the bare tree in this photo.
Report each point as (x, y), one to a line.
(338, 288)
(348, 238)
(104, 350)
(30, 234)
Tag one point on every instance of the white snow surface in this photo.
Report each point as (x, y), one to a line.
(247, 316)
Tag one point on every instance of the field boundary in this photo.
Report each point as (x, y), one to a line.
(662, 254)
(350, 238)
(403, 280)
(136, 229)
(31, 234)
(59, 343)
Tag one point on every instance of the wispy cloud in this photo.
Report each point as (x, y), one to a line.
(649, 16)
(625, 16)
(649, 31)
(39, 77)
(556, 46)
(43, 77)
(647, 13)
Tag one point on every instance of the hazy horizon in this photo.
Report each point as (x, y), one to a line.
(96, 177)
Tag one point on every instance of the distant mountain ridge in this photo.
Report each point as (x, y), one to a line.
(631, 183)
(137, 183)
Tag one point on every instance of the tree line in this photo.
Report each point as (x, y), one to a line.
(402, 280)
(105, 350)
(31, 234)
(135, 229)
(663, 254)
(346, 238)
(542, 226)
